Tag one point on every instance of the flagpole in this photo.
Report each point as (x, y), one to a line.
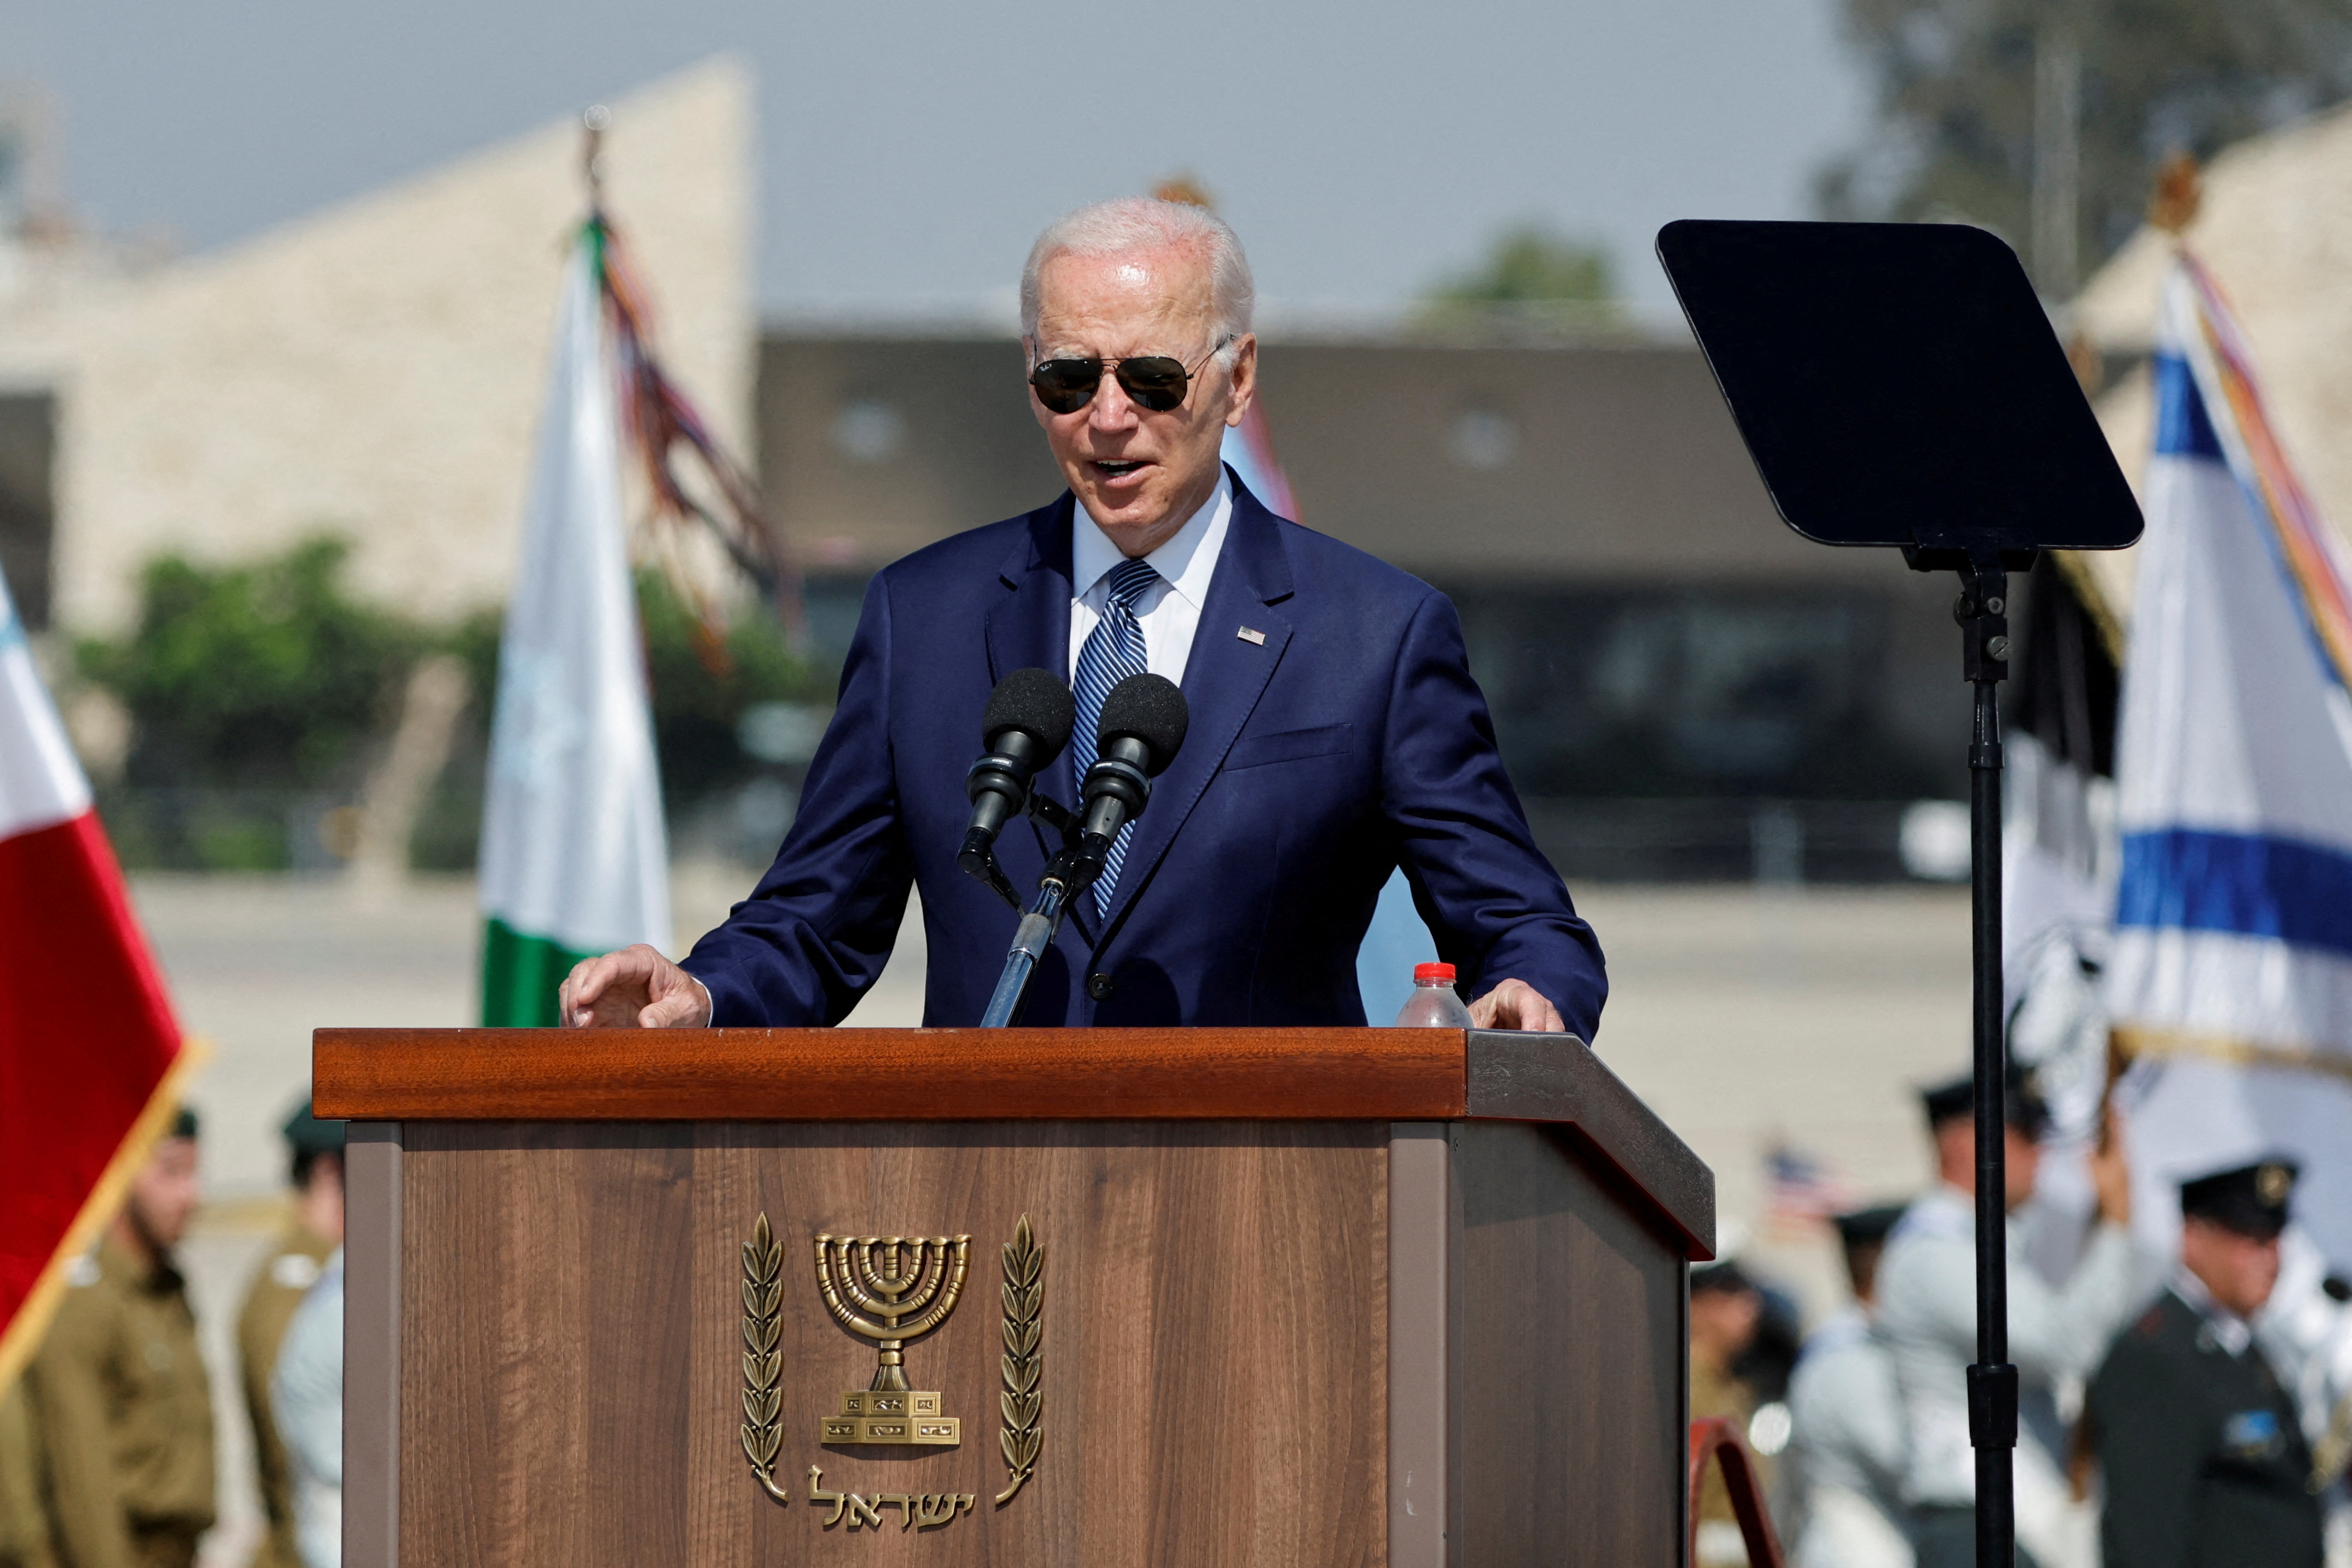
(1983, 614)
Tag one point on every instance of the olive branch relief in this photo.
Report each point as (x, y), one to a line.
(1025, 1297)
(763, 1364)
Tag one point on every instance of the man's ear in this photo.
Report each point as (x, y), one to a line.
(1029, 362)
(1241, 382)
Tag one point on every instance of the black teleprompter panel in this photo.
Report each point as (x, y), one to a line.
(1899, 384)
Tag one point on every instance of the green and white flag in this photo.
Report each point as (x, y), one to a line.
(573, 858)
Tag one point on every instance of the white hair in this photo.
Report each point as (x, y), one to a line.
(1145, 223)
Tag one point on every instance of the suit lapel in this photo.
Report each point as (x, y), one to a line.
(1223, 677)
(1030, 628)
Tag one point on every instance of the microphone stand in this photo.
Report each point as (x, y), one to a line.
(1063, 881)
(1070, 872)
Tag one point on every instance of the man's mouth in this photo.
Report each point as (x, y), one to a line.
(1116, 467)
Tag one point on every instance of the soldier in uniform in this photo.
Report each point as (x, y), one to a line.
(2205, 1462)
(24, 1521)
(1928, 1312)
(1847, 1440)
(313, 1230)
(118, 1390)
(1726, 1311)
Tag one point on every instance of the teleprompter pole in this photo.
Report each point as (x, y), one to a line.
(1983, 614)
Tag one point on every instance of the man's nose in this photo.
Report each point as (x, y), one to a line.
(1111, 409)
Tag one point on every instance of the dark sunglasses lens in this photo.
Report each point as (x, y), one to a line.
(1065, 386)
(1155, 382)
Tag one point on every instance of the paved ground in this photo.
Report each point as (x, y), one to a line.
(1744, 1017)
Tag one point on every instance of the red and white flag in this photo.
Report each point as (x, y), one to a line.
(89, 1052)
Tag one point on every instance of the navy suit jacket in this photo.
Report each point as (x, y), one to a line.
(1350, 740)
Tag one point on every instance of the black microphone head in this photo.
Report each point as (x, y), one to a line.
(1151, 709)
(1036, 703)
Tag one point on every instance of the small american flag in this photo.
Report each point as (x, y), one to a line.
(1806, 1190)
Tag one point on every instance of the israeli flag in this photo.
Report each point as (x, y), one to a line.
(2230, 982)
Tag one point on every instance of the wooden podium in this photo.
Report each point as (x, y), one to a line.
(1285, 1298)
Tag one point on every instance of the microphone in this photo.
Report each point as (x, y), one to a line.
(1142, 727)
(1024, 727)
(1141, 724)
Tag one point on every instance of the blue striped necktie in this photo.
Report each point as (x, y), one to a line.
(1113, 652)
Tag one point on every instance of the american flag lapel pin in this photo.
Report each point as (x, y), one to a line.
(1252, 634)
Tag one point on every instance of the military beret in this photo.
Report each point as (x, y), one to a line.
(306, 1135)
(1867, 1227)
(2023, 1103)
(183, 1124)
(2250, 1199)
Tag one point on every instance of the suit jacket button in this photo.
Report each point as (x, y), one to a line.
(1099, 986)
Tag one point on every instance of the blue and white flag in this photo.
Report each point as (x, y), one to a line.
(2230, 980)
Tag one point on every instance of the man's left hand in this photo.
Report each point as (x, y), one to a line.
(635, 988)
(1515, 1004)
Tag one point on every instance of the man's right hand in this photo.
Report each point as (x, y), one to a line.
(635, 988)
(2110, 1170)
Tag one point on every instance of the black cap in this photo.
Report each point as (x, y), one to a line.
(2251, 1200)
(306, 1135)
(183, 1124)
(1723, 1275)
(1867, 1227)
(2022, 1105)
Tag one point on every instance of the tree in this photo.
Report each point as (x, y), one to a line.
(263, 674)
(2045, 120)
(702, 688)
(1531, 268)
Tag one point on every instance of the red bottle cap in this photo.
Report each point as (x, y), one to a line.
(1433, 972)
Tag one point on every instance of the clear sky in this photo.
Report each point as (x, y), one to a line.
(909, 150)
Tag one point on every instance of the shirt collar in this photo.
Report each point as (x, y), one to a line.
(1186, 561)
(2229, 1331)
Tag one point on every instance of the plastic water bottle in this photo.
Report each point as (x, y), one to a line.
(1434, 1004)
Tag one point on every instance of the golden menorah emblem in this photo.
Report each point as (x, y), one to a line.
(891, 1289)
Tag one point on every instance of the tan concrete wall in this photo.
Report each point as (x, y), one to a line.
(378, 368)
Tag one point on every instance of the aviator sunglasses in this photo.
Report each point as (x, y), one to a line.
(1156, 382)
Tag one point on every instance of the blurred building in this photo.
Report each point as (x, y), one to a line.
(375, 370)
(1683, 687)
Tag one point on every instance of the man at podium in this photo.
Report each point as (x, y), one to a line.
(1335, 731)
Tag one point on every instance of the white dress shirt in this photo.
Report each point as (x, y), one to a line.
(1169, 610)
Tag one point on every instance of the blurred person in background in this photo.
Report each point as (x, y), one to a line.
(1847, 1445)
(2305, 1332)
(1726, 1311)
(313, 1229)
(24, 1523)
(1927, 1316)
(2199, 1442)
(119, 1396)
(307, 1395)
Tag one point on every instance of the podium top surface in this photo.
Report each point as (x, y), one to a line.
(1015, 1074)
